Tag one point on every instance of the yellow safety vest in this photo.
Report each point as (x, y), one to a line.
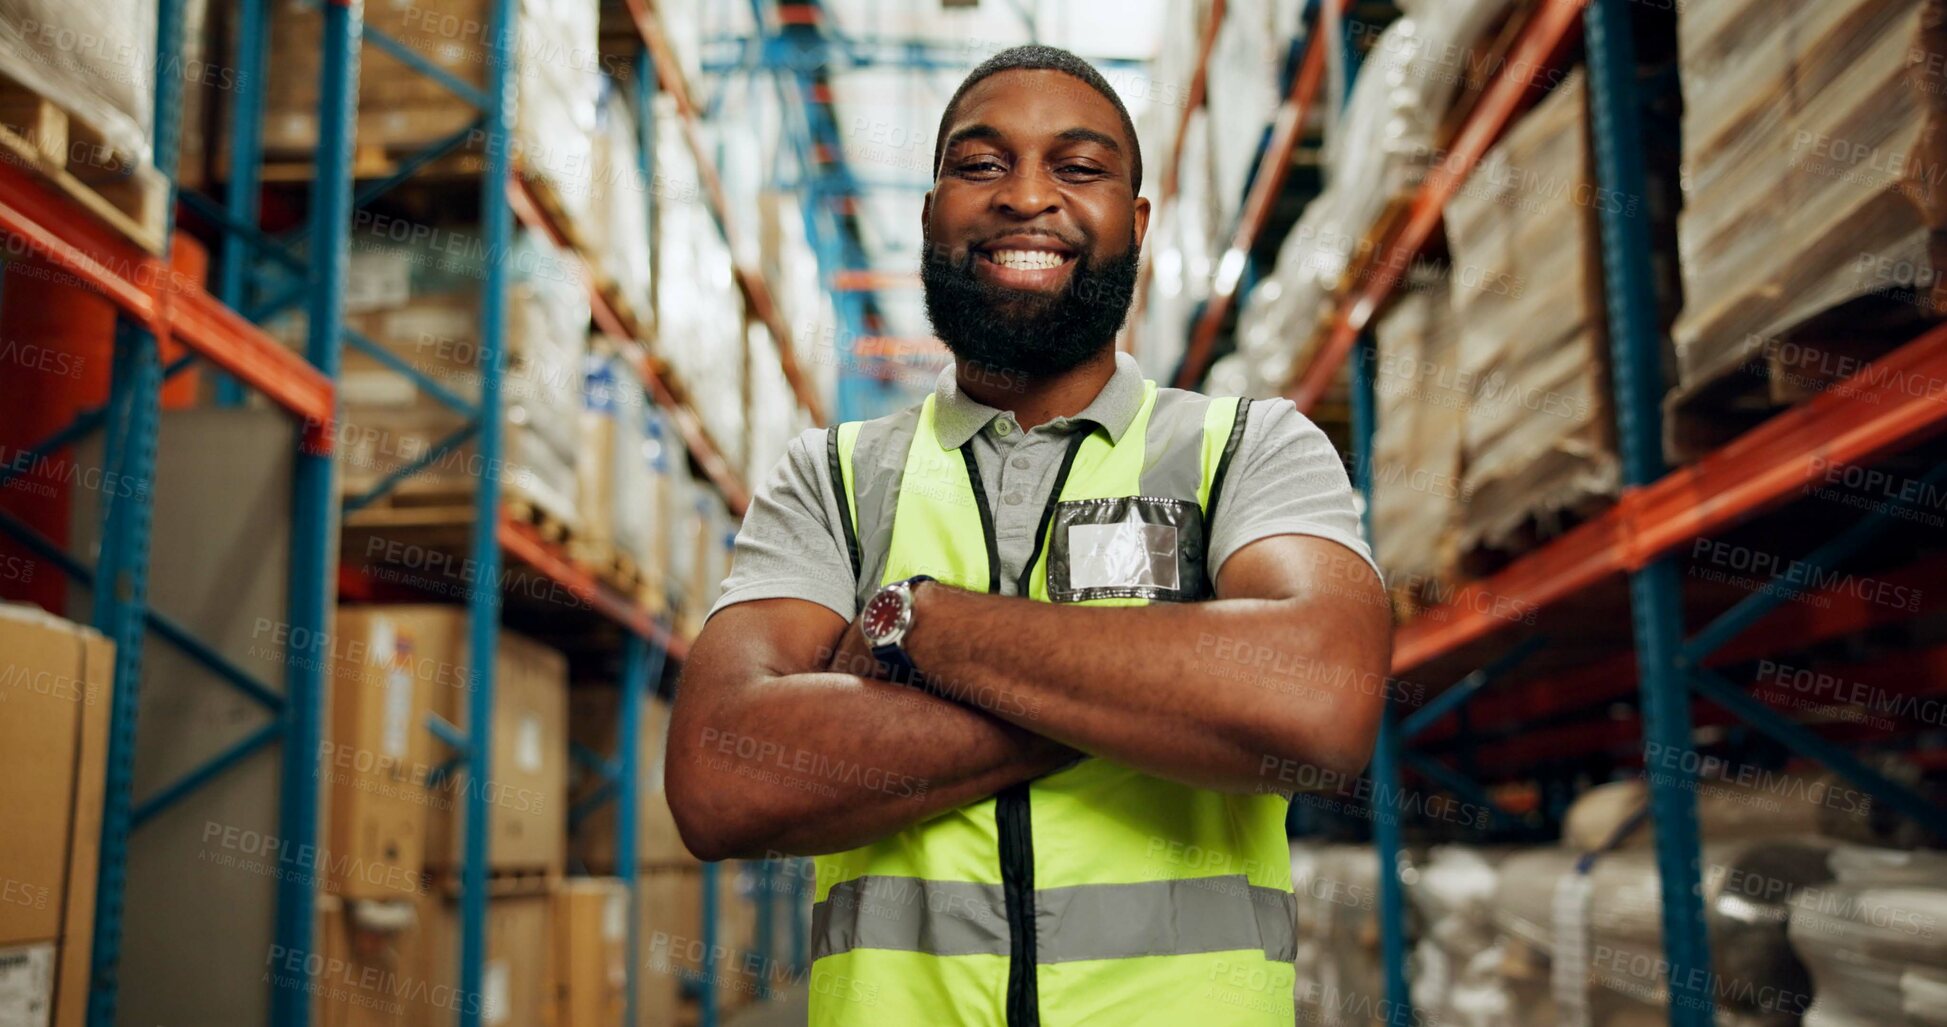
(1098, 894)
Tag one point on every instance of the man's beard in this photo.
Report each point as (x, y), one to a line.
(1033, 334)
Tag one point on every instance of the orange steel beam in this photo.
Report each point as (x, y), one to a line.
(59, 236)
(524, 543)
(870, 281)
(756, 289)
(1551, 26)
(1890, 404)
(1265, 187)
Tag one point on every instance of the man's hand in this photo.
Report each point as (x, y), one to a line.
(1162, 687)
(766, 742)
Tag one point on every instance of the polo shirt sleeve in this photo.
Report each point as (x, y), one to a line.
(1285, 479)
(790, 546)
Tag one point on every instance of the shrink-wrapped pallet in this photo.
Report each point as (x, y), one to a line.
(1876, 940)
(1376, 153)
(558, 75)
(1593, 942)
(432, 322)
(620, 491)
(1736, 803)
(1538, 445)
(1457, 980)
(1415, 473)
(1338, 966)
(616, 229)
(94, 59)
(1799, 129)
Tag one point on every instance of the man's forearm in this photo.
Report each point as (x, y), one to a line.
(1151, 686)
(813, 763)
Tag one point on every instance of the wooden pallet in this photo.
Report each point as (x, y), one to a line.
(73, 155)
(436, 509)
(608, 563)
(372, 161)
(502, 882)
(1775, 375)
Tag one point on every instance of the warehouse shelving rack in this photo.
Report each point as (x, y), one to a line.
(262, 275)
(1874, 414)
(155, 304)
(509, 195)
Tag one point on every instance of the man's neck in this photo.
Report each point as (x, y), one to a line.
(1036, 401)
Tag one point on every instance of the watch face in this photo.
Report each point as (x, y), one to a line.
(882, 616)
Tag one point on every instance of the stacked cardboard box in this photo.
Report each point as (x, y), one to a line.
(591, 957)
(671, 918)
(518, 984)
(370, 975)
(377, 760)
(1416, 492)
(527, 795)
(1538, 443)
(399, 109)
(1800, 133)
(55, 680)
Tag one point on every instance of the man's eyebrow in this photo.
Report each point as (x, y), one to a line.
(974, 131)
(1089, 135)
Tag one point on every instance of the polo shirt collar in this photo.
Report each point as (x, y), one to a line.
(957, 416)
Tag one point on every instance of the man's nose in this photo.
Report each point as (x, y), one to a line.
(1026, 192)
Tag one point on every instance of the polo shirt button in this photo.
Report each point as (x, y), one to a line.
(1021, 463)
(1003, 427)
(1013, 499)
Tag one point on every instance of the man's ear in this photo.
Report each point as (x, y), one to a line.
(1142, 220)
(926, 212)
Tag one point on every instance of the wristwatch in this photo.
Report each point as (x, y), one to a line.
(888, 617)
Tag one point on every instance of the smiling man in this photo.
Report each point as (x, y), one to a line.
(1032, 666)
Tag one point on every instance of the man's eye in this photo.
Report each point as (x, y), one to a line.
(981, 167)
(1080, 169)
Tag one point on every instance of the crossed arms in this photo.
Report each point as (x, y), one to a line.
(785, 739)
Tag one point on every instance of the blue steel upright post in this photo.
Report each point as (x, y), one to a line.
(314, 497)
(483, 595)
(241, 200)
(642, 667)
(121, 584)
(1385, 768)
(1655, 591)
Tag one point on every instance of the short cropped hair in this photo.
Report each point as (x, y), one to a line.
(1035, 57)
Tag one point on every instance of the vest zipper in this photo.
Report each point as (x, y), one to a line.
(1013, 819)
(1012, 816)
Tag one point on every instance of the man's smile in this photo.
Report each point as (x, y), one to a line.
(1037, 262)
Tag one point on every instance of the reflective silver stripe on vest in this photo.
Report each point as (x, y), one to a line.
(946, 918)
(1090, 921)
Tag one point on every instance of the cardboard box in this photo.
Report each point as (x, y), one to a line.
(378, 758)
(594, 717)
(528, 789)
(517, 984)
(591, 951)
(55, 691)
(671, 916)
(368, 977)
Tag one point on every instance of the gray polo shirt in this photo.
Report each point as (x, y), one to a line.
(1285, 479)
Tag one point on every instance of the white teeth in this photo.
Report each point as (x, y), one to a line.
(1028, 260)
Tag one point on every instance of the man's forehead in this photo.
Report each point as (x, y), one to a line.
(1037, 98)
